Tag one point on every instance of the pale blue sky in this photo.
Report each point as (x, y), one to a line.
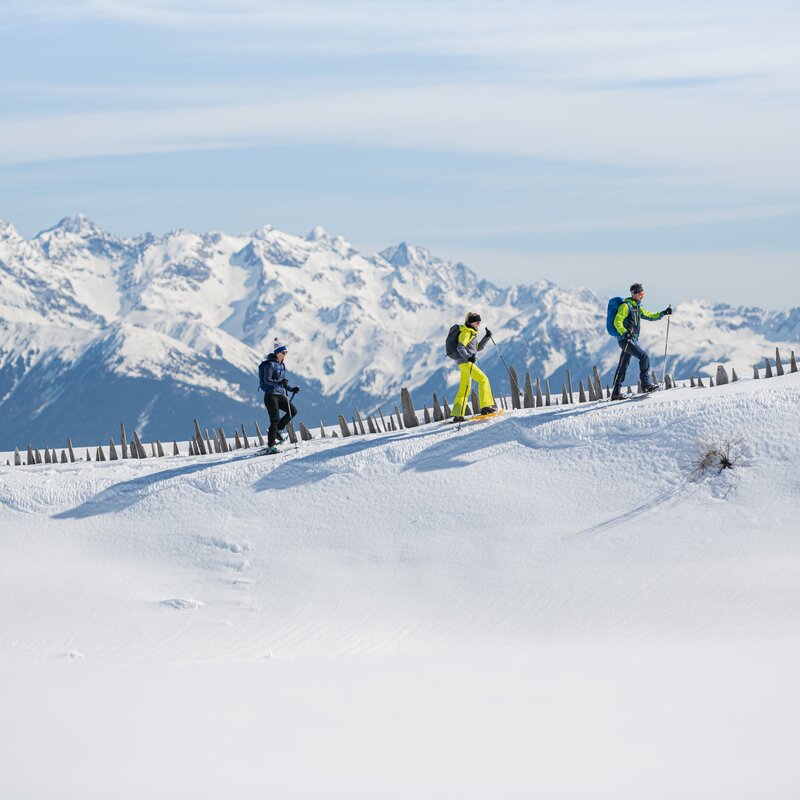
(592, 143)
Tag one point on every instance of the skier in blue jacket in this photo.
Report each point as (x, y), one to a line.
(274, 384)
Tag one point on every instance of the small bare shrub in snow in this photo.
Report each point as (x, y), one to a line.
(714, 458)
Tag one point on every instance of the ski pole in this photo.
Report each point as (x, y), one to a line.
(508, 370)
(666, 343)
(500, 353)
(291, 417)
(466, 394)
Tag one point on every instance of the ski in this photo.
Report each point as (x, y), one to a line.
(476, 418)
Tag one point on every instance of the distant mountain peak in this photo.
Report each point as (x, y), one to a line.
(74, 223)
(319, 234)
(404, 255)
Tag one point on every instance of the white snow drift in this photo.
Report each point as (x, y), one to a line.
(553, 602)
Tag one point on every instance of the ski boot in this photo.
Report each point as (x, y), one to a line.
(457, 419)
(651, 387)
(489, 410)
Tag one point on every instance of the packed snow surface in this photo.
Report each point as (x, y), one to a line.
(555, 603)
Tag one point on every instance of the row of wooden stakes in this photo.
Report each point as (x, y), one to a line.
(534, 395)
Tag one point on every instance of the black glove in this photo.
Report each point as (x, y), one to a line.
(294, 389)
(668, 310)
(472, 359)
(487, 333)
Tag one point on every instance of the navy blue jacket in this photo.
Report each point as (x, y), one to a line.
(272, 376)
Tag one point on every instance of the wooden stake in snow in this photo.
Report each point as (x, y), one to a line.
(290, 431)
(226, 448)
(47, 459)
(31, 457)
(321, 430)
(564, 398)
(138, 444)
(793, 363)
(778, 364)
(475, 405)
(438, 416)
(691, 381)
(512, 379)
(258, 434)
(198, 438)
(38, 456)
(112, 451)
(547, 392)
(305, 433)
(539, 401)
(569, 386)
(734, 376)
(99, 455)
(159, 448)
(399, 418)
(245, 439)
(373, 424)
(237, 441)
(123, 440)
(71, 451)
(581, 394)
(756, 376)
(343, 425)
(409, 414)
(447, 412)
(722, 375)
(175, 450)
(64, 457)
(360, 422)
(590, 388)
(769, 368)
(17, 458)
(527, 397)
(598, 386)
(426, 415)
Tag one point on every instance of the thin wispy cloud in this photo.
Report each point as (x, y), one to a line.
(694, 103)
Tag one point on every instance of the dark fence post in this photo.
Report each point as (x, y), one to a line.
(512, 377)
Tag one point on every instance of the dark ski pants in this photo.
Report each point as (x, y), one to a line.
(276, 403)
(633, 350)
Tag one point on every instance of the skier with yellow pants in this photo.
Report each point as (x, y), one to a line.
(467, 350)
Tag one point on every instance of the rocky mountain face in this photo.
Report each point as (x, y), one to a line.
(157, 330)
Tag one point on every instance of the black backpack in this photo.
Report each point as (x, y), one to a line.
(262, 367)
(451, 342)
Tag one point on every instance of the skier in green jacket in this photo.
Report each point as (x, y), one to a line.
(627, 323)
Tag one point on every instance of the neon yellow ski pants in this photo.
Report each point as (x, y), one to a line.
(485, 397)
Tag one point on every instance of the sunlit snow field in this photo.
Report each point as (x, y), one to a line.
(547, 604)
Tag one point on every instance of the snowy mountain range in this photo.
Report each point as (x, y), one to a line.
(156, 330)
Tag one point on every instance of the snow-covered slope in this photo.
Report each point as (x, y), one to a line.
(156, 330)
(469, 613)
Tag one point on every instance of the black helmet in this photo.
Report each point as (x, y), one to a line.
(636, 288)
